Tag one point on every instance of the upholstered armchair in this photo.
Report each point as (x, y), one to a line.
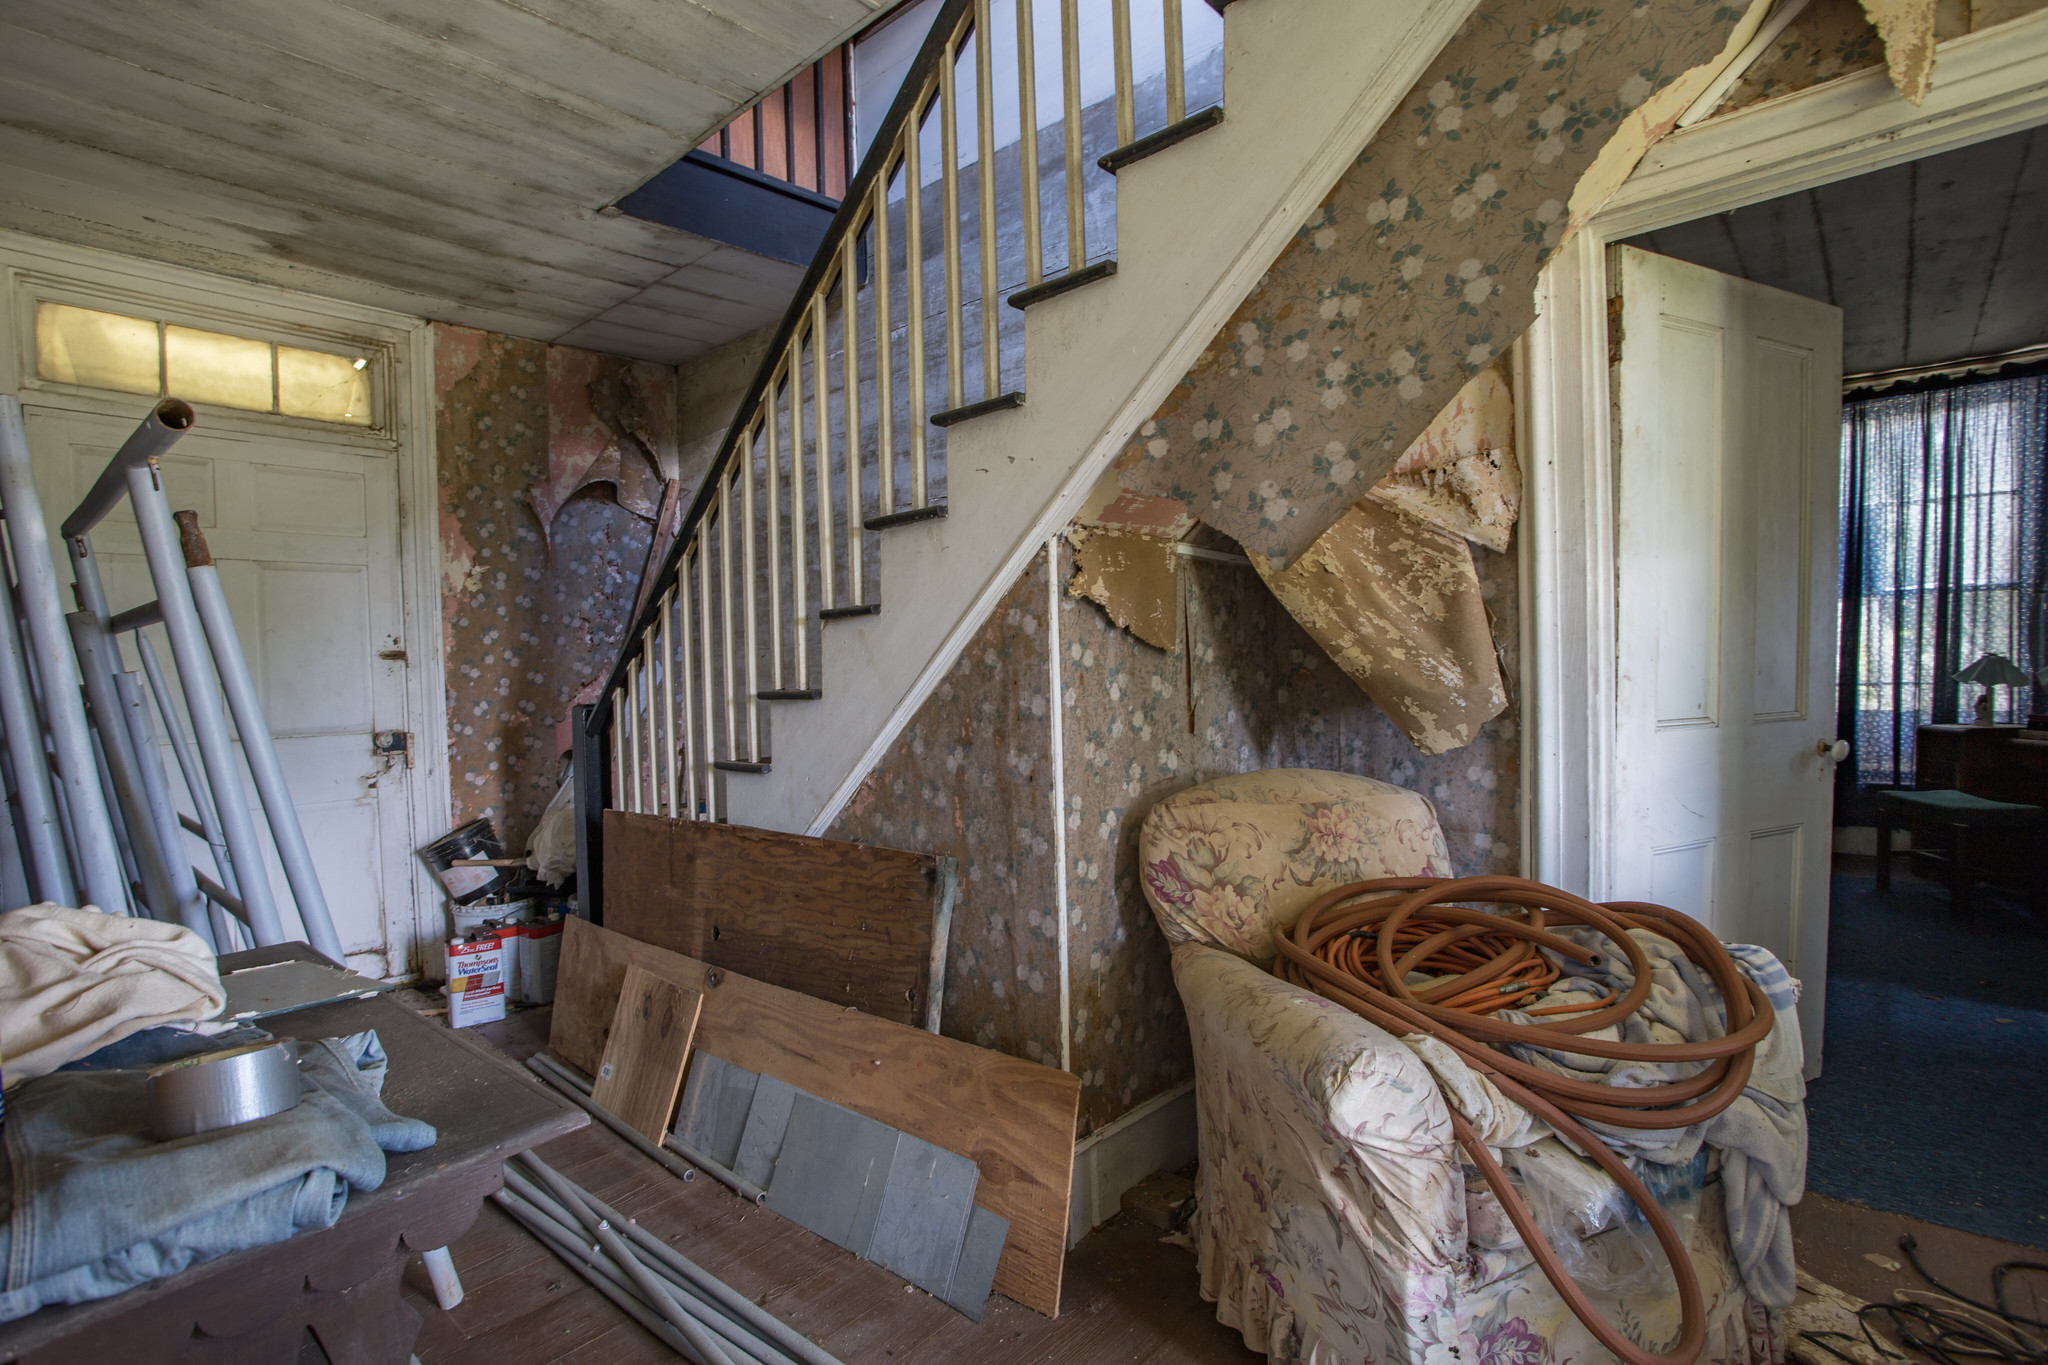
(1336, 1223)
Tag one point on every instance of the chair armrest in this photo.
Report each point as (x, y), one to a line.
(1332, 1201)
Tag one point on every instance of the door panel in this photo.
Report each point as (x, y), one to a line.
(1728, 410)
(305, 535)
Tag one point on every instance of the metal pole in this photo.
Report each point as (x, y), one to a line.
(131, 876)
(179, 877)
(99, 858)
(14, 892)
(41, 831)
(256, 745)
(202, 700)
(110, 723)
(188, 765)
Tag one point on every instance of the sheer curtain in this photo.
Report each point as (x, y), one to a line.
(1944, 542)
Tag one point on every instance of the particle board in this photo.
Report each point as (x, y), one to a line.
(1013, 1118)
(642, 1067)
(845, 922)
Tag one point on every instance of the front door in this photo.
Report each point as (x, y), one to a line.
(305, 534)
(1727, 447)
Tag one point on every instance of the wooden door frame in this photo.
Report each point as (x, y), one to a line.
(31, 267)
(1985, 85)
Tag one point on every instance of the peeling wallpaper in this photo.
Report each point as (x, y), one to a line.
(971, 776)
(1832, 38)
(1416, 272)
(526, 621)
(1265, 695)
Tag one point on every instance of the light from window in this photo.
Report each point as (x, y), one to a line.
(96, 350)
(323, 386)
(211, 367)
(134, 355)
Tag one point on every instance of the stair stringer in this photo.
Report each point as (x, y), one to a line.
(1306, 85)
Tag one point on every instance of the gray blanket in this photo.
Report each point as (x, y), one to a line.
(95, 1206)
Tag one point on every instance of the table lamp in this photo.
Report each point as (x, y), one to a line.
(1993, 670)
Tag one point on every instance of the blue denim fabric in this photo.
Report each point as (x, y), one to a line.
(97, 1206)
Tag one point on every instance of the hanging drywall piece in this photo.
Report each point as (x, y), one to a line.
(1134, 579)
(1907, 27)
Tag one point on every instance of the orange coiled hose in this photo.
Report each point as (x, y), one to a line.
(1358, 944)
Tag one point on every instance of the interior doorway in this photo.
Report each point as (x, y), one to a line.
(1934, 968)
(1919, 1047)
(311, 471)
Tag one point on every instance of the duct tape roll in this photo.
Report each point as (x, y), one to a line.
(221, 1089)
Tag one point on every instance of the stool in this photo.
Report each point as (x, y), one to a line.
(1963, 815)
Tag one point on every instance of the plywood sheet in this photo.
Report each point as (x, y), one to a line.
(642, 1067)
(848, 923)
(1012, 1118)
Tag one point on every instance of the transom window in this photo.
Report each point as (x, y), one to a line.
(136, 355)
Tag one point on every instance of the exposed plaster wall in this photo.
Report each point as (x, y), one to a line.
(708, 393)
(528, 615)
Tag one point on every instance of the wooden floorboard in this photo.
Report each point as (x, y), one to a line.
(1127, 1296)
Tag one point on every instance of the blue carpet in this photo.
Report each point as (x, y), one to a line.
(1933, 1101)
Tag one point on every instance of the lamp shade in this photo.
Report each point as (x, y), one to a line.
(1995, 670)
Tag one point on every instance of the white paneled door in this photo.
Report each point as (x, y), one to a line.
(305, 533)
(1728, 445)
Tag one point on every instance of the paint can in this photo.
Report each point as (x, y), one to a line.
(475, 840)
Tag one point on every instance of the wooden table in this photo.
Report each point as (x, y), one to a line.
(341, 1284)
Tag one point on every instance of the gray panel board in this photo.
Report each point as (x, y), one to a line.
(281, 987)
(925, 1208)
(767, 1121)
(831, 1172)
(975, 1277)
(716, 1101)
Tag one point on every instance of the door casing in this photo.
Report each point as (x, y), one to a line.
(1986, 84)
(32, 268)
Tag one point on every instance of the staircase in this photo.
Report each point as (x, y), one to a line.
(873, 502)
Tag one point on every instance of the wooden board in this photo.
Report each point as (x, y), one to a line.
(1012, 1118)
(642, 1067)
(844, 922)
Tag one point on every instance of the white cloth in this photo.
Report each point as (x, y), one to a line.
(1761, 1136)
(72, 981)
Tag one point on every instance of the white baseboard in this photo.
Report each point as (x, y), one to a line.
(1159, 1135)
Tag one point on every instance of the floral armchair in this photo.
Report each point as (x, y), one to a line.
(1336, 1222)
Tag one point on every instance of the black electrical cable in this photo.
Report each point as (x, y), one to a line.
(1941, 1335)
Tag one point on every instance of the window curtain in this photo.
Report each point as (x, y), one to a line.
(1944, 542)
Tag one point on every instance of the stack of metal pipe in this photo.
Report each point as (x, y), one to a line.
(93, 820)
(693, 1312)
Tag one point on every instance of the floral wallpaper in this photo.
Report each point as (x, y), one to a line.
(1416, 272)
(526, 620)
(971, 776)
(1247, 690)
(1831, 38)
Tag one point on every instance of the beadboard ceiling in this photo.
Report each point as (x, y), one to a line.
(1932, 261)
(446, 158)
